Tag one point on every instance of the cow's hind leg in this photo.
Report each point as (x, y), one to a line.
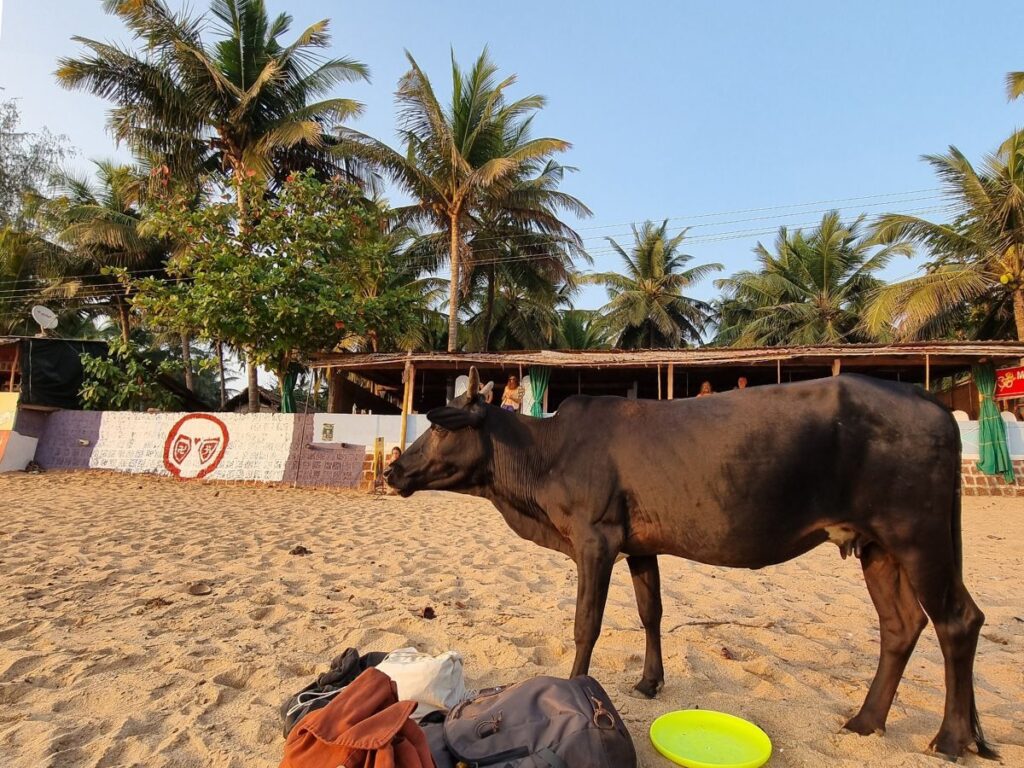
(594, 569)
(647, 585)
(900, 621)
(958, 622)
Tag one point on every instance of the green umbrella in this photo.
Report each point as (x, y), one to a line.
(992, 446)
(539, 377)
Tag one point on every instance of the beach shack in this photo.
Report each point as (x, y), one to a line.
(386, 394)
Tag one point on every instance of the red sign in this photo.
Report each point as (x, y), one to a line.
(1010, 382)
(195, 445)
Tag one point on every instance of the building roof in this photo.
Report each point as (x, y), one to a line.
(939, 353)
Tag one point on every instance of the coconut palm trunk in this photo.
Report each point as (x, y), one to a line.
(253, 383)
(453, 290)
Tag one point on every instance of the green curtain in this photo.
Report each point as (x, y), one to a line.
(992, 446)
(539, 377)
(288, 391)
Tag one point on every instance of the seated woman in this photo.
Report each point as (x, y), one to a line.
(705, 389)
(512, 397)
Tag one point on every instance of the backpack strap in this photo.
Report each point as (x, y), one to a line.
(548, 756)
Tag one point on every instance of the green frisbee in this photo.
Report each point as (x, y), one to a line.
(701, 738)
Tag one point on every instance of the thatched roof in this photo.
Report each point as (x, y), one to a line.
(939, 353)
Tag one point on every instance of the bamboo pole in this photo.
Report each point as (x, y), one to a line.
(778, 371)
(837, 366)
(927, 373)
(671, 379)
(405, 404)
(659, 381)
(412, 385)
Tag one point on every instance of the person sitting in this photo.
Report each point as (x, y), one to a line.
(741, 382)
(705, 389)
(512, 397)
(396, 454)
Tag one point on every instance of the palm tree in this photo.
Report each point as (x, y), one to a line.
(517, 311)
(581, 329)
(647, 307)
(519, 238)
(812, 288)
(454, 156)
(1015, 85)
(243, 102)
(977, 258)
(98, 226)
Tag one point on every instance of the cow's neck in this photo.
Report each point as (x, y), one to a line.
(522, 452)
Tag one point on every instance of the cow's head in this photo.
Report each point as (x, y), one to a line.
(454, 453)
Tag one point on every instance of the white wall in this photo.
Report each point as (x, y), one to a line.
(362, 428)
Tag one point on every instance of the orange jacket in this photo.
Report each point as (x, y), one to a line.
(365, 726)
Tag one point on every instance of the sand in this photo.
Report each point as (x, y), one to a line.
(106, 660)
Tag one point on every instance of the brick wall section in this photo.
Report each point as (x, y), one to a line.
(320, 465)
(62, 437)
(977, 483)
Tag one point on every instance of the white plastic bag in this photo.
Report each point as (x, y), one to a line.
(434, 682)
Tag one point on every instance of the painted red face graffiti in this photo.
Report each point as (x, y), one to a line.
(195, 445)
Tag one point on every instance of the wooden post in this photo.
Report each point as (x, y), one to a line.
(928, 372)
(405, 403)
(14, 365)
(659, 381)
(412, 386)
(837, 366)
(778, 370)
(671, 379)
(544, 404)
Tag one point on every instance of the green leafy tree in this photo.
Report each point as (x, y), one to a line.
(284, 287)
(453, 156)
(647, 307)
(243, 101)
(128, 378)
(976, 271)
(810, 288)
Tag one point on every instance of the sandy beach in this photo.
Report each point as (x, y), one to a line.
(107, 660)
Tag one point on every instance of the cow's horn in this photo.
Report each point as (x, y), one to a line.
(473, 388)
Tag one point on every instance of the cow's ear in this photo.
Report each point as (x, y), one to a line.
(453, 419)
(473, 388)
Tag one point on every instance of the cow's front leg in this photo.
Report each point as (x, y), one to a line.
(647, 586)
(594, 563)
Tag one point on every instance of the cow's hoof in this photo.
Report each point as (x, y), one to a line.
(649, 688)
(948, 746)
(864, 725)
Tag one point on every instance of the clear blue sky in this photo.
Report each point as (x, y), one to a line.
(674, 108)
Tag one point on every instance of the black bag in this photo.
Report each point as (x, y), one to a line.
(344, 669)
(544, 722)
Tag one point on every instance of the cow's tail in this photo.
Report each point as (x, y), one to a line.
(984, 748)
(956, 525)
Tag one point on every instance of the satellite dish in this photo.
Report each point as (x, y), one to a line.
(44, 316)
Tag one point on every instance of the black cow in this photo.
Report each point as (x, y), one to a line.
(742, 479)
